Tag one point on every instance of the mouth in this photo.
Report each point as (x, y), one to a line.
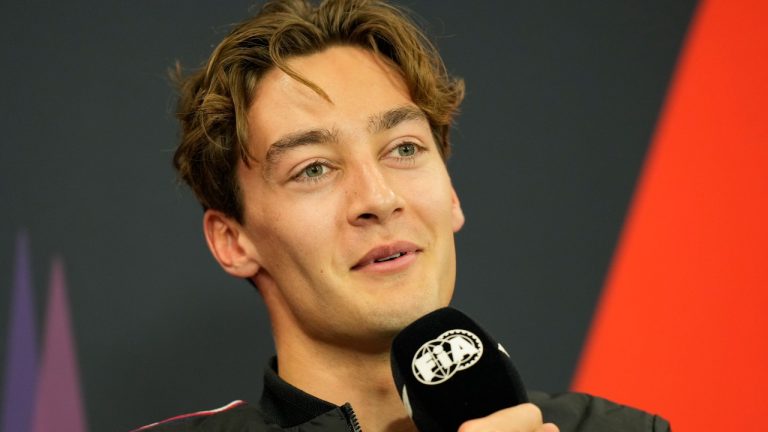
(390, 258)
(387, 256)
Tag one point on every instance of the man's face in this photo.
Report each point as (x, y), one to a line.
(348, 204)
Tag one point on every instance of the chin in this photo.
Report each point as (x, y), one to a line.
(387, 314)
(374, 330)
(401, 315)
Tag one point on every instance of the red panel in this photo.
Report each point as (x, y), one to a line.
(681, 328)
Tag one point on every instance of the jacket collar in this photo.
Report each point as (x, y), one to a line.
(287, 405)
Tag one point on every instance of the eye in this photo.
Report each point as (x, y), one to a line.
(405, 154)
(406, 149)
(314, 170)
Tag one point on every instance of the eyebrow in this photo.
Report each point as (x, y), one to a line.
(376, 123)
(297, 139)
(389, 119)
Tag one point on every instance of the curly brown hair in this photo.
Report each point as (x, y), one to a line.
(214, 100)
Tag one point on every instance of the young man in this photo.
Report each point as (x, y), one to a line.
(315, 139)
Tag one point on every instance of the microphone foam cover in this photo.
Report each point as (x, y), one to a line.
(448, 370)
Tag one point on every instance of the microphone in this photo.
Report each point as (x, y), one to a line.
(448, 370)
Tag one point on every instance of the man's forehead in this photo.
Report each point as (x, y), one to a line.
(356, 91)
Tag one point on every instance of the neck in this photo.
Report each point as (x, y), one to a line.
(340, 375)
(354, 372)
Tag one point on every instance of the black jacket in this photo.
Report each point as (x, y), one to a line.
(285, 408)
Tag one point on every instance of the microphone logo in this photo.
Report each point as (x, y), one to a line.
(439, 359)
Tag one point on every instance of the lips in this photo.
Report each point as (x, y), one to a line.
(386, 253)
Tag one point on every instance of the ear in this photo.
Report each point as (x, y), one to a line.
(457, 215)
(229, 245)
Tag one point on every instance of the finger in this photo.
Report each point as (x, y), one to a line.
(548, 427)
(520, 418)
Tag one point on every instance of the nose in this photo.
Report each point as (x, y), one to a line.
(371, 197)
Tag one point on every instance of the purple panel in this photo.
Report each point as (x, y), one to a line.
(21, 362)
(59, 404)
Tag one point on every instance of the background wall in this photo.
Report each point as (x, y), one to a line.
(562, 102)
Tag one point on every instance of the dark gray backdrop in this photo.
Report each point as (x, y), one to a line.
(562, 99)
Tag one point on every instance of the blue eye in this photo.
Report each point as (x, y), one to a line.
(406, 149)
(314, 170)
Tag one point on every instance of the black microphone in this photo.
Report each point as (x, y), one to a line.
(448, 370)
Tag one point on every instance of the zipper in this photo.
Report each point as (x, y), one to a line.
(349, 413)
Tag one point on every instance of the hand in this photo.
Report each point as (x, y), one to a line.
(520, 418)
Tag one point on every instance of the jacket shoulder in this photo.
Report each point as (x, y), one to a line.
(237, 416)
(577, 412)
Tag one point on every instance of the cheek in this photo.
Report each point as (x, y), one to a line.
(295, 232)
(431, 195)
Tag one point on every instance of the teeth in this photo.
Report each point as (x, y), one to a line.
(391, 257)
